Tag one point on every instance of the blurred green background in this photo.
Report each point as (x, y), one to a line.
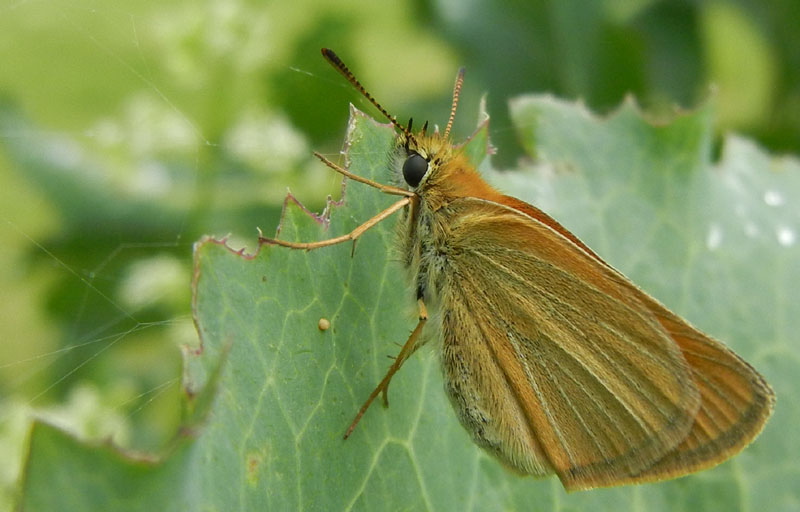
(127, 131)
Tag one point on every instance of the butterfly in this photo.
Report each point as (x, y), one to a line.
(553, 361)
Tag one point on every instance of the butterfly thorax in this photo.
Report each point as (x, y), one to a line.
(423, 232)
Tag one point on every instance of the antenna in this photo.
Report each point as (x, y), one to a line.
(340, 66)
(456, 92)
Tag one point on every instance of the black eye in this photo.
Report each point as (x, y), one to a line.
(414, 169)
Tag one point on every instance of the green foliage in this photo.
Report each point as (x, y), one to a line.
(128, 131)
(713, 241)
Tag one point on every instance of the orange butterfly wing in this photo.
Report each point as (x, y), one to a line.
(589, 376)
(736, 400)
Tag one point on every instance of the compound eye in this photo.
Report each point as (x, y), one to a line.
(414, 169)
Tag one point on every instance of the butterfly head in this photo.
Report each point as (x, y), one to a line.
(419, 156)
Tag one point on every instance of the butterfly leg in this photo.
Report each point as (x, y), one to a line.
(353, 235)
(382, 388)
(388, 189)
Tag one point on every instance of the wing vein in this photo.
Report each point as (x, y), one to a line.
(622, 369)
(534, 385)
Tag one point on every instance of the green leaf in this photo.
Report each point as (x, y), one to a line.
(716, 242)
(65, 474)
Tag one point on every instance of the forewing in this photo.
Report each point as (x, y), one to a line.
(736, 401)
(551, 359)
